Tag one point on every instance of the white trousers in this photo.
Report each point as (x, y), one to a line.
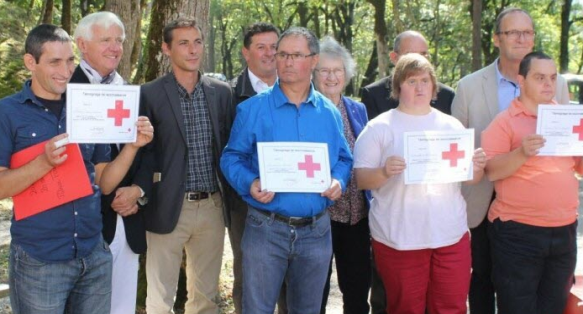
(124, 279)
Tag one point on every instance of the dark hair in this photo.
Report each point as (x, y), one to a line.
(179, 23)
(524, 66)
(313, 43)
(257, 28)
(41, 34)
(508, 11)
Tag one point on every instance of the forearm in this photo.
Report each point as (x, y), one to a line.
(503, 166)
(14, 181)
(112, 174)
(370, 178)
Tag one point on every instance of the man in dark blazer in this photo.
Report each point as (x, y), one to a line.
(192, 115)
(259, 42)
(377, 96)
(123, 220)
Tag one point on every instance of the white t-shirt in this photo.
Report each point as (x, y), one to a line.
(417, 216)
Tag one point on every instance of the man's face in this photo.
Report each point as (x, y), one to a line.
(186, 49)
(410, 44)
(103, 52)
(514, 48)
(53, 70)
(540, 82)
(260, 55)
(298, 70)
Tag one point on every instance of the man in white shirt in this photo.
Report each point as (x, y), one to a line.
(259, 45)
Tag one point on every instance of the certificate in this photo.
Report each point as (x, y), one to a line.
(438, 156)
(562, 128)
(294, 167)
(102, 113)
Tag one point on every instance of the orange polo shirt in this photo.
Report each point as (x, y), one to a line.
(543, 191)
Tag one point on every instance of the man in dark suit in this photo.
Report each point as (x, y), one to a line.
(377, 96)
(259, 44)
(193, 115)
(377, 99)
(100, 37)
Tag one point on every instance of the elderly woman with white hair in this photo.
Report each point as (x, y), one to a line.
(349, 221)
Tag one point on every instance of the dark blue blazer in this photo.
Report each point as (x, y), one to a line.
(357, 117)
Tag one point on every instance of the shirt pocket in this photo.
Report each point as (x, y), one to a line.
(28, 136)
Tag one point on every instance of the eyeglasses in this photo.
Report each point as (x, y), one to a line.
(515, 34)
(338, 73)
(281, 56)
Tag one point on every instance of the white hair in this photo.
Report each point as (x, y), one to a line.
(103, 19)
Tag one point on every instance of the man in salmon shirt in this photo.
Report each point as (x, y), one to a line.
(534, 216)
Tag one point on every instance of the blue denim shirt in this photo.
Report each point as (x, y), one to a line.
(65, 232)
(270, 117)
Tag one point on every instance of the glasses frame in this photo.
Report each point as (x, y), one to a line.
(282, 56)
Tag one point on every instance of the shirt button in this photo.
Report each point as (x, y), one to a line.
(46, 110)
(75, 235)
(59, 126)
(76, 213)
(73, 247)
(33, 134)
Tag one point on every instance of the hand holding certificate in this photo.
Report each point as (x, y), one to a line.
(438, 156)
(102, 113)
(294, 166)
(562, 128)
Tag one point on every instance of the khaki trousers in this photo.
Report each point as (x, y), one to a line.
(200, 231)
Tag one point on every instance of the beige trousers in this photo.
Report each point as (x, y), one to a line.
(200, 231)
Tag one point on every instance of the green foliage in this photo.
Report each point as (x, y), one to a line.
(13, 29)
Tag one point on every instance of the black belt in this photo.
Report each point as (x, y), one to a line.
(197, 196)
(292, 221)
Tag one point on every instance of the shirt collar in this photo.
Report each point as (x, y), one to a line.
(257, 84)
(499, 77)
(182, 92)
(27, 95)
(517, 107)
(281, 99)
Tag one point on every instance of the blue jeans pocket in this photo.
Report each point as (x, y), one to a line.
(254, 220)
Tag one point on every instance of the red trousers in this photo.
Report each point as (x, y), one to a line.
(436, 279)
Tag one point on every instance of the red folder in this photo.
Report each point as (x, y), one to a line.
(67, 182)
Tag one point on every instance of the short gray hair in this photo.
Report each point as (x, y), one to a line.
(330, 48)
(313, 44)
(103, 19)
(403, 35)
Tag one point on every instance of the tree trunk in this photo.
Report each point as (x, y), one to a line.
(381, 34)
(565, 27)
(369, 74)
(129, 11)
(164, 11)
(46, 12)
(66, 16)
(476, 10)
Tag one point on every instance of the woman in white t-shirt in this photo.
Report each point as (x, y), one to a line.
(420, 235)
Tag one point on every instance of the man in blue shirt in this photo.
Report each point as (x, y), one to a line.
(287, 235)
(59, 262)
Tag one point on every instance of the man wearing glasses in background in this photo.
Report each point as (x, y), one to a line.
(287, 235)
(480, 96)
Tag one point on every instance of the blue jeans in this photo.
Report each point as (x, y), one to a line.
(77, 286)
(274, 251)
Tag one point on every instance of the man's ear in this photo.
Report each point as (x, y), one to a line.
(521, 80)
(29, 62)
(394, 57)
(166, 49)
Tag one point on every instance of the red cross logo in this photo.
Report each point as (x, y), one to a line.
(118, 113)
(309, 166)
(579, 129)
(453, 154)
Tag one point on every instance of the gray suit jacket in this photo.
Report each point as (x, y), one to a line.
(161, 103)
(476, 104)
